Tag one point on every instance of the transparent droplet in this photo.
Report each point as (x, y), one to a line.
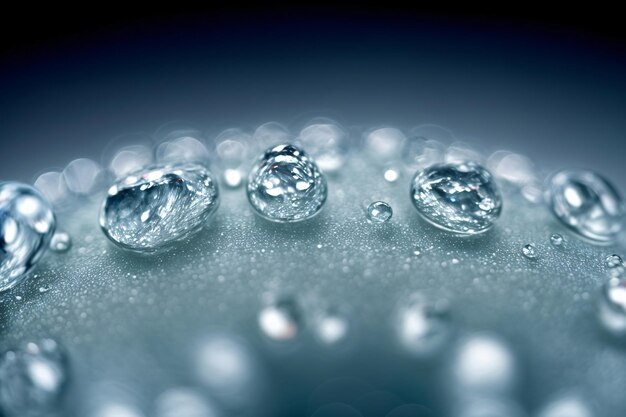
(379, 212)
(150, 209)
(184, 402)
(529, 251)
(612, 306)
(511, 167)
(32, 379)
(556, 239)
(326, 143)
(232, 148)
(613, 261)
(271, 134)
(185, 149)
(385, 144)
(285, 185)
(419, 152)
(461, 198)
(83, 176)
(423, 324)
(27, 224)
(280, 320)
(130, 159)
(60, 242)
(587, 203)
(52, 186)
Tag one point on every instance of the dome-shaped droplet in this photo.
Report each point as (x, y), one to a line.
(285, 185)
(613, 261)
(32, 379)
(326, 143)
(587, 203)
(61, 242)
(148, 210)
(461, 198)
(529, 251)
(379, 212)
(556, 239)
(26, 226)
(612, 307)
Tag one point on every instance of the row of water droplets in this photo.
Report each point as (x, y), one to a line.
(422, 321)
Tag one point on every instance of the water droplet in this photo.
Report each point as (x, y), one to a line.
(32, 379)
(423, 324)
(286, 186)
(556, 239)
(587, 203)
(52, 186)
(461, 198)
(379, 212)
(182, 149)
(613, 261)
(567, 405)
(385, 144)
(149, 210)
(511, 167)
(326, 143)
(232, 178)
(612, 306)
(27, 224)
(332, 328)
(60, 242)
(529, 251)
(232, 148)
(280, 320)
(271, 134)
(391, 175)
(130, 159)
(83, 176)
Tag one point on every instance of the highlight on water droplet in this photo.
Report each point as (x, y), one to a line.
(378, 212)
(60, 242)
(587, 203)
(280, 320)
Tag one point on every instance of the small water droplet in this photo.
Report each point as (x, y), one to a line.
(280, 320)
(379, 212)
(331, 328)
(232, 148)
(612, 307)
(285, 185)
(423, 324)
(18, 298)
(32, 379)
(556, 239)
(233, 178)
(149, 210)
(613, 261)
(326, 143)
(60, 242)
(587, 203)
(385, 145)
(461, 198)
(391, 175)
(43, 289)
(529, 251)
(27, 224)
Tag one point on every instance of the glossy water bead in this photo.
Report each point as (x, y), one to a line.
(285, 185)
(27, 224)
(150, 209)
(379, 212)
(461, 198)
(587, 203)
(529, 251)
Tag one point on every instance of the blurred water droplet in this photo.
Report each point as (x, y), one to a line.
(391, 175)
(331, 327)
(280, 320)
(181, 150)
(556, 239)
(385, 145)
(326, 143)
(60, 242)
(130, 159)
(233, 178)
(184, 402)
(285, 185)
(83, 176)
(419, 152)
(612, 307)
(587, 203)
(461, 152)
(533, 193)
(27, 224)
(379, 212)
(460, 198)
(149, 210)
(529, 251)
(32, 379)
(52, 186)
(233, 146)
(511, 167)
(566, 405)
(489, 407)
(271, 134)
(424, 324)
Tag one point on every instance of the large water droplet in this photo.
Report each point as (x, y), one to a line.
(32, 379)
(587, 203)
(326, 143)
(612, 307)
(379, 212)
(280, 320)
(148, 210)
(461, 198)
(423, 324)
(286, 186)
(27, 224)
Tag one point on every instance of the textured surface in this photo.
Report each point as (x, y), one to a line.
(132, 325)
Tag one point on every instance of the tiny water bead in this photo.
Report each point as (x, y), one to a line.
(556, 239)
(285, 185)
(32, 379)
(27, 224)
(461, 198)
(150, 209)
(613, 261)
(379, 212)
(60, 242)
(612, 307)
(280, 321)
(587, 203)
(529, 251)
